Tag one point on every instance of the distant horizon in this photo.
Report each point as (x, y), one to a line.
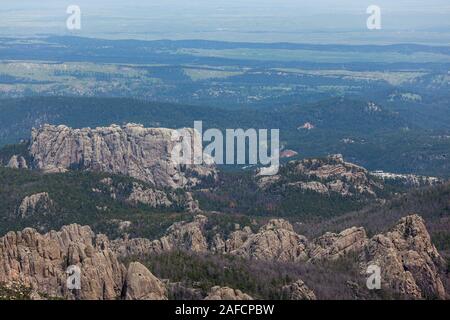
(45, 36)
(265, 21)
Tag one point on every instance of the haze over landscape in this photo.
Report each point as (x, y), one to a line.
(104, 197)
(322, 21)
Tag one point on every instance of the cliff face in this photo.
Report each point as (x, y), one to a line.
(40, 261)
(332, 246)
(141, 284)
(410, 264)
(409, 261)
(187, 236)
(274, 241)
(324, 176)
(142, 153)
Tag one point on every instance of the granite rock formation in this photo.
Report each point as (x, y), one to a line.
(225, 293)
(17, 162)
(298, 291)
(41, 261)
(34, 204)
(408, 261)
(182, 235)
(141, 284)
(146, 154)
(332, 246)
(274, 241)
(331, 174)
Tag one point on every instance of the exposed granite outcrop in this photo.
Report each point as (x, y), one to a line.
(332, 246)
(331, 174)
(236, 239)
(298, 291)
(274, 241)
(40, 261)
(409, 180)
(182, 235)
(34, 204)
(141, 284)
(138, 193)
(142, 153)
(17, 162)
(126, 247)
(151, 197)
(409, 262)
(185, 236)
(225, 293)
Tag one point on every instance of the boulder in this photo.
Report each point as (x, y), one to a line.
(332, 246)
(225, 293)
(274, 241)
(148, 196)
(34, 204)
(186, 236)
(17, 162)
(298, 291)
(141, 284)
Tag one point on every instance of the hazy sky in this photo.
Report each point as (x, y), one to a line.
(238, 20)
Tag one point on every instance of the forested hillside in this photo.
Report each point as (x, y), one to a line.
(377, 137)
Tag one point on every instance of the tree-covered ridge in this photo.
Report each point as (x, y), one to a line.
(432, 203)
(84, 198)
(303, 189)
(385, 137)
(19, 149)
(193, 274)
